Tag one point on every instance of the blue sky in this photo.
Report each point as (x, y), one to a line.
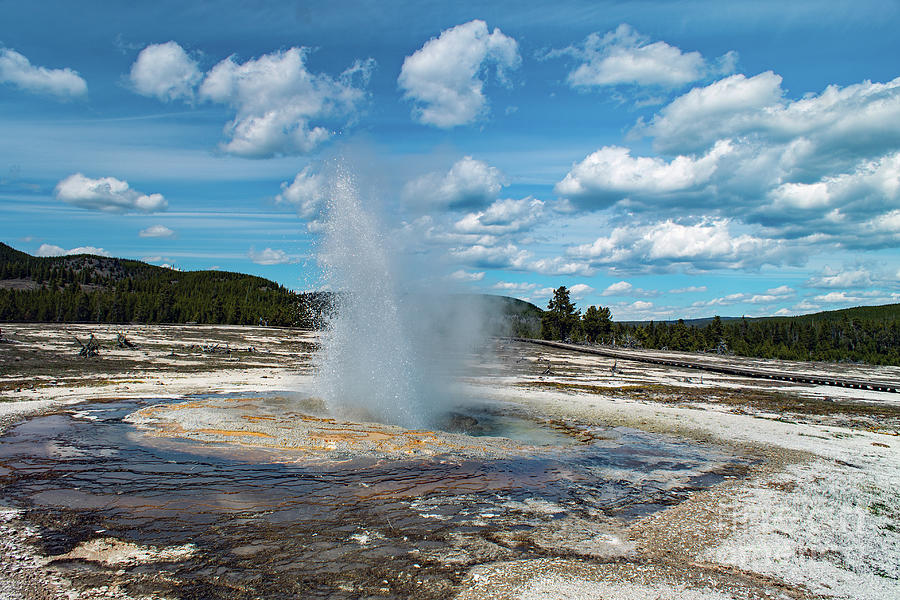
(666, 159)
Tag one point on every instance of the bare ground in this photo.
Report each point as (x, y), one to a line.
(817, 517)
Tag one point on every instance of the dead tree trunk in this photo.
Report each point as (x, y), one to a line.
(122, 341)
(89, 349)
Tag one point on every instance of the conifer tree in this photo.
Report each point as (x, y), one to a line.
(561, 319)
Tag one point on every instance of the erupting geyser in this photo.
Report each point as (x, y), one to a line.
(383, 355)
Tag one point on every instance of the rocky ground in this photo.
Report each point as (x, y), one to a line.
(817, 517)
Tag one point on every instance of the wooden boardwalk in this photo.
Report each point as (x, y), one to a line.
(638, 356)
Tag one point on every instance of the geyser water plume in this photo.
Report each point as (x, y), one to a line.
(387, 350)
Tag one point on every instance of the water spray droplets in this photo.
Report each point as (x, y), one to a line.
(368, 367)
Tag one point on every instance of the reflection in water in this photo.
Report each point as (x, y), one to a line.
(276, 529)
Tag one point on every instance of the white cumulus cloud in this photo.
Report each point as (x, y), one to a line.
(276, 100)
(502, 217)
(158, 259)
(838, 298)
(157, 231)
(771, 296)
(17, 70)
(445, 78)
(270, 256)
(723, 108)
(280, 107)
(823, 169)
(107, 194)
(165, 71)
(508, 256)
(885, 226)
(611, 173)
(580, 290)
(52, 250)
(463, 275)
(469, 184)
(624, 288)
(624, 56)
(873, 187)
(620, 288)
(837, 278)
(863, 117)
(781, 291)
(707, 244)
(307, 192)
(546, 292)
(640, 305)
(560, 265)
(513, 286)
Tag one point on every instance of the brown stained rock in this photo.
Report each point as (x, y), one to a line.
(113, 552)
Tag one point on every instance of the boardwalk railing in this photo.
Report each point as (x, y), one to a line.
(879, 386)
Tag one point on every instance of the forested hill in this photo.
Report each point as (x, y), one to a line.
(89, 288)
(864, 313)
(866, 333)
(884, 313)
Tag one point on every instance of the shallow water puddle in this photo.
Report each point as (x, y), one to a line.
(269, 525)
